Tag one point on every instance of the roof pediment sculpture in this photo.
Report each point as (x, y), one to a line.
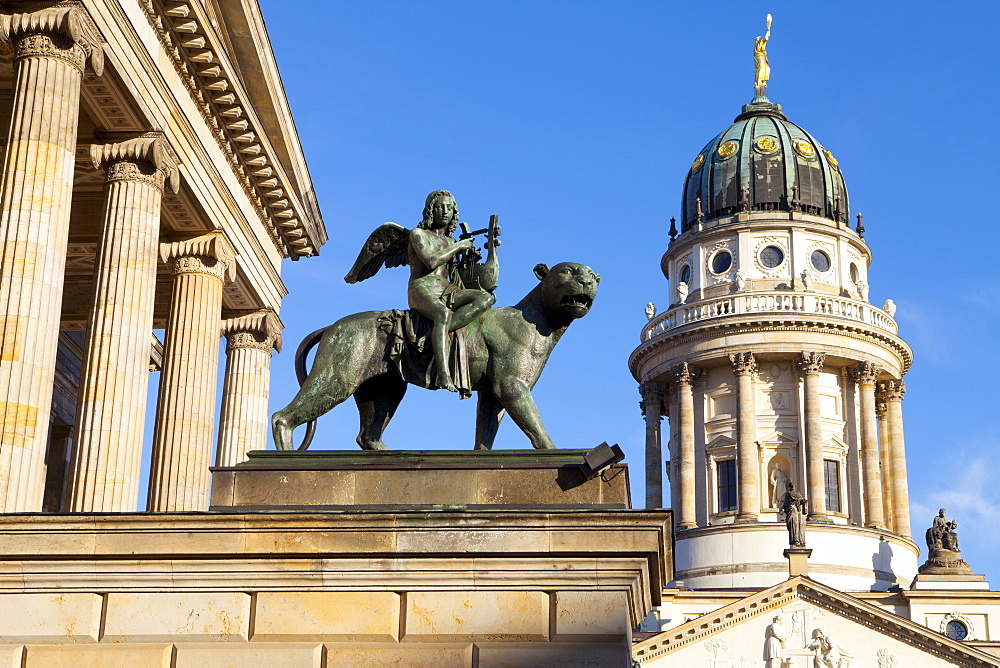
(450, 338)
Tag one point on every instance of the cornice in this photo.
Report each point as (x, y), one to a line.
(210, 78)
(727, 326)
(800, 588)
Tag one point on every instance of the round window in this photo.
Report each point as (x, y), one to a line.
(722, 261)
(686, 275)
(820, 260)
(771, 257)
(854, 273)
(956, 630)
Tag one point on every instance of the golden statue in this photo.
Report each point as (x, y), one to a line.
(761, 68)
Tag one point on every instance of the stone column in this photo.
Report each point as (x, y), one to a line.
(652, 407)
(892, 392)
(51, 48)
(810, 365)
(185, 410)
(885, 459)
(865, 375)
(745, 368)
(250, 336)
(115, 377)
(685, 376)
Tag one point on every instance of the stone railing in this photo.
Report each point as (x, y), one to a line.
(804, 303)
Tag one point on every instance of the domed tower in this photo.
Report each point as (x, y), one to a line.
(774, 369)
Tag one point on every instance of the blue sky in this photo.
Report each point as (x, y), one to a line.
(576, 121)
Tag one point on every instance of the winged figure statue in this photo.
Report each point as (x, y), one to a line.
(447, 284)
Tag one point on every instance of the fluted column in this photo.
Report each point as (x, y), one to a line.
(115, 376)
(885, 459)
(185, 411)
(250, 336)
(865, 375)
(745, 368)
(51, 48)
(810, 366)
(685, 376)
(892, 392)
(652, 407)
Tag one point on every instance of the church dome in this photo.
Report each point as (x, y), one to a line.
(763, 162)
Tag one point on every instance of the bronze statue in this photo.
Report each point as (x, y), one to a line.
(437, 289)
(497, 352)
(793, 504)
(762, 70)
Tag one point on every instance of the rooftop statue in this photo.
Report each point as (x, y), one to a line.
(794, 506)
(943, 555)
(762, 71)
(497, 352)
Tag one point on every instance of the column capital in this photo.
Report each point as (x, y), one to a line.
(891, 390)
(252, 328)
(123, 153)
(210, 253)
(686, 374)
(811, 363)
(880, 409)
(743, 363)
(866, 373)
(32, 32)
(652, 391)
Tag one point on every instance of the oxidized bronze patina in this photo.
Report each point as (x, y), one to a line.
(498, 353)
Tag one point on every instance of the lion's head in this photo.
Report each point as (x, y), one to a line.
(568, 288)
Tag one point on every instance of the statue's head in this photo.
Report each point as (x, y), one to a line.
(942, 512)
(440, 202)
(791, 486)
(778, 466)
(568, 288)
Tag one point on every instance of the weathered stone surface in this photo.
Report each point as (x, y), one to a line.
(340, 616)
(10, 656)
(591, 615)
(38, 618)
(146, 617)
(400, 656)
(253, 655)
(552, 655)
(465, 615)
(98, 656)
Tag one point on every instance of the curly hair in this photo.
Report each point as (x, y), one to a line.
(428, 214)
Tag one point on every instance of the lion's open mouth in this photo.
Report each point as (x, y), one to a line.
(579, 302)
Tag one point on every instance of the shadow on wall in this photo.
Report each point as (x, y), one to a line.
(882, 565)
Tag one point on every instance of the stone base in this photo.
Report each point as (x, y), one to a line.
(272, 480)
(352, 588)
(798, 560)
(945, 562)
(964, 581)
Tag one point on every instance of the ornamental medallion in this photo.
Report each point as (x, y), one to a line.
(767, 144)
(805, 148)
(728, 149)
(698, 162)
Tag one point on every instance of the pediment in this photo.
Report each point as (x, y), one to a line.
(720, 442)
(777, 438)
(799, 621)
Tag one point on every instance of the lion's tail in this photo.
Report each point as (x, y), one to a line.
(301, 373)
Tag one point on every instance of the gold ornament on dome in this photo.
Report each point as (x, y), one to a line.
(698, 162)
(805, 148)
(767, 144)
(832, 160)
(728, 149)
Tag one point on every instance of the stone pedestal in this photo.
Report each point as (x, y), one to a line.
(798, 560)
(941, 582)
(438, 478)
(945, 562)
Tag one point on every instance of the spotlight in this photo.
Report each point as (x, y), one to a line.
(600, 459)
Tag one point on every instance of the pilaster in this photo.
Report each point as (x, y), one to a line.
(250, 337)
(892, 393)
(865, 375)
(114, 377)
(652, 407)
(745, 370)
(185, 411)
(810, 365)
(51, 48)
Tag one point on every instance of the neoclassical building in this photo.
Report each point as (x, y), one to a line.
(775, 372)
(151, 178)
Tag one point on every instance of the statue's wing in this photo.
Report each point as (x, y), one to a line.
(385, 246)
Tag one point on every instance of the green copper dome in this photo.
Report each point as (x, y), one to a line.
(762, 162)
